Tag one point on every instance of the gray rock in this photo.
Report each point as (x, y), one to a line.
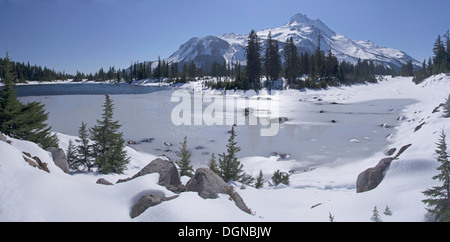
(372, 177)
(239, 201)
(168, 174)
(103, 181)
(206, 183)
(59, 158)
(391, 151)
(418, 127)
(146, 202)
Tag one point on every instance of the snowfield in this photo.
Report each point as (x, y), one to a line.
(316, 189)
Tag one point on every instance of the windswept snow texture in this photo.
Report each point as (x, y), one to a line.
(230, 47)
(30, 194)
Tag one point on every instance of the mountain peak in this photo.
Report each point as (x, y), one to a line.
(298, 19)
(301, 20)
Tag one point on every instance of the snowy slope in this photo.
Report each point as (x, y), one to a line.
(30, 194)
(305, 33)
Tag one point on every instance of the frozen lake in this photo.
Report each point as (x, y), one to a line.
(315, 132)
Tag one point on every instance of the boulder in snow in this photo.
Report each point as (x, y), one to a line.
(146, 202)
(103, 181)
(372, 177)
(391, 151)
(208, 185)
(168, 174)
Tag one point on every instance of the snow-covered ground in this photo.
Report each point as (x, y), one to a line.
(324, 186)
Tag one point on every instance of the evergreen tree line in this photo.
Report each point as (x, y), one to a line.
(100, 147)
(22, 121)
(136, 71)
(25, 72)
(439, 63)
(322, 69)
(143, 70)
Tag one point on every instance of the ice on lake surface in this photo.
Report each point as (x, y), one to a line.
(314, 132)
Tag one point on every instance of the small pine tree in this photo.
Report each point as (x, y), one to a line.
(185, 160)
(387, 211)
(230, 168)
(375, 215)
(438, 200)
(84, 149)
(71, 156)
(331, 217)
(108, 148)
(280, 177)
(259, 180)
(212, 164)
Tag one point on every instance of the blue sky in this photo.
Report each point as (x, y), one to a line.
(85, 35)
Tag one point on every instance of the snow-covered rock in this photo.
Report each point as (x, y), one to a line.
(206, 183)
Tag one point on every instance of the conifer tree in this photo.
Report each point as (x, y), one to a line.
(10, 107)
(71, 156)
(375, 215)
(438, 201)
(230, 168)
(22, 121)
(253, 58)
(318, 62)
(331, 65)
(280, 177)
(272, 60)
(259, 180)
(185, 160)
(212, 164)
(387, 211)
(447, 44)
(84, 149)
(108, 148)
(291, 59)
(440, 56)
(33, 126)
(331, 217)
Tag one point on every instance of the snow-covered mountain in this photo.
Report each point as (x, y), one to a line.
(230, 47)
